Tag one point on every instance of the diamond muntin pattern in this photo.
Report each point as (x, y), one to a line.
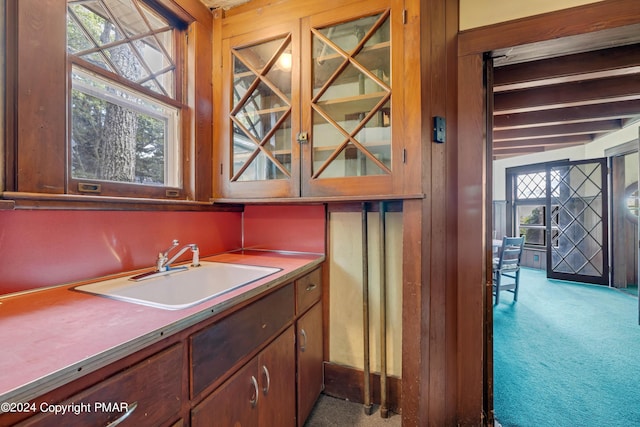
(261, 110)
(349, 93)
(579, 220)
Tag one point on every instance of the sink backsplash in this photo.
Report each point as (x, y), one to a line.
(40, 248)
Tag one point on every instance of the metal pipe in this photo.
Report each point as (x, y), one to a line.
(384, 410)
(365, 310)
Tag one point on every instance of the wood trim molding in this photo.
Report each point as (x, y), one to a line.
(552, 25)
(348, 383)
(320, 199)
(18, 200)
(622, 149)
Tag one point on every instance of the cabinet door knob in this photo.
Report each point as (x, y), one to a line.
(303, 341)
(267, 379)
(303, 137)
(254, 397)
(311, 286)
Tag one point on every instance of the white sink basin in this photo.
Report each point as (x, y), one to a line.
(181, 289)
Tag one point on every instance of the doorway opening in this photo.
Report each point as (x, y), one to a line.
(539, 125)
(624, 209)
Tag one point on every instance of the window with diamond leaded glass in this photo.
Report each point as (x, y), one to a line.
(534, 185)
(124, 102)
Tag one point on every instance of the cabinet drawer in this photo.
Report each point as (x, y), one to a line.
(219, 347)
(308, 290)
(151, 391)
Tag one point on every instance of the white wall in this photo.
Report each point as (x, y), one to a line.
(478, 13)
(597, 148)
(345, 313)
(592, 150)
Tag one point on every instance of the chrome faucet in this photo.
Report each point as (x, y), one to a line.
(164, 263)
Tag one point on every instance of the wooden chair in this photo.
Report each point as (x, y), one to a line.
(507, 264)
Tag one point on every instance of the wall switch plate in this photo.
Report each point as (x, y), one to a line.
(439, 129)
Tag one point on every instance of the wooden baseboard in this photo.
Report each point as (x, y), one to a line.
(348, 383)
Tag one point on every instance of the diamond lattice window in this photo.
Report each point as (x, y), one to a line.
(534, 185)
(124, 102)
(126, 38)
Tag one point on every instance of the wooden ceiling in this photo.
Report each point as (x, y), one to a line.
(223, 4)
(565, 92)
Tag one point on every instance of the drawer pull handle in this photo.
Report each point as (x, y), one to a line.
(267, 378)
(311, 287)
(254, 397)
(303, 343)
(124, 416)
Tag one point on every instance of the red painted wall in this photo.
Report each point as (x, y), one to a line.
(290, 227)
(42, 248)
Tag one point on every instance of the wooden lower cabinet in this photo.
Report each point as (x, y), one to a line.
(261, 393)
(310, 360)
(217, 349)
(260, 365)
(278, 382)
(147, 394)
(233, 404)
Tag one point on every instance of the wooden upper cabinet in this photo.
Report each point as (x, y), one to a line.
(261, 113)
(308, 104)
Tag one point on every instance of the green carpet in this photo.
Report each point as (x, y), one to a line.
(630, 289)
(566, 354)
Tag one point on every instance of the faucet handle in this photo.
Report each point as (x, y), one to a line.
(196, 256)
(160, 261)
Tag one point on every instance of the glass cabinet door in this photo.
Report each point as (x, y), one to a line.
(262, 112)
(351, 98)
(308, 107)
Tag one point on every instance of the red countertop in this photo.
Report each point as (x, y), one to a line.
(53, 336)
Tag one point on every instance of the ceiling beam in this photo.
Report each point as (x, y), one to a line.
(555, 142)
(619, 88)
(583, 113)
(517, 151)
(557, 130)
(596, 64)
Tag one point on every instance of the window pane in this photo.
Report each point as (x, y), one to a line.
(126, 38)
(532, 186)
(533, 236)
(118, 135)
(531, 215)
(531, 224)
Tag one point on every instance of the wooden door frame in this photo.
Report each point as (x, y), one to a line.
(474, 177)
